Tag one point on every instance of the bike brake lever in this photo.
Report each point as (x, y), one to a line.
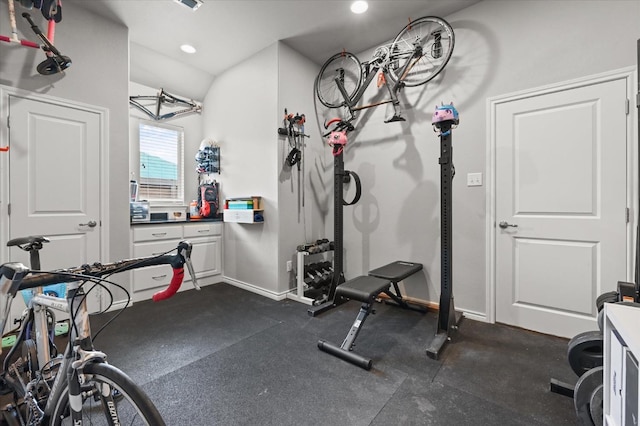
(192, 273)
(184, 248)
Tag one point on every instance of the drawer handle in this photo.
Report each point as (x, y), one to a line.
(159, 234)
(158, 254)
(160, 277)
(203, 230)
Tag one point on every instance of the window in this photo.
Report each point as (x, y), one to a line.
(161, 163)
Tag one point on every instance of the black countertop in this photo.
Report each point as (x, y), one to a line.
(162, 222)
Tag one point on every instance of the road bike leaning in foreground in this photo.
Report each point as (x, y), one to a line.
(41, 387)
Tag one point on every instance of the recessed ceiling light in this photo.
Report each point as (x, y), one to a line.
(359, 6)
(187, 48)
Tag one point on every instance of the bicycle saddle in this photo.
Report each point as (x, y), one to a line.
(28, 243)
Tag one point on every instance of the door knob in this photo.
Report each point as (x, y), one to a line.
(90, 224)
(505, 225)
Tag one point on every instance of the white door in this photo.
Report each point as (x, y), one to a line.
(54, 181)
(561, 191)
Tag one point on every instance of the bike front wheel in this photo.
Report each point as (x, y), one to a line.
(128, 405)
(345, 67)
(421, 50)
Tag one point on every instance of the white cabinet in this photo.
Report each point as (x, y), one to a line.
(206, 255)
(621, 354)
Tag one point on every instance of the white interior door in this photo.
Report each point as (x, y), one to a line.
(54, 181)
(561, 191)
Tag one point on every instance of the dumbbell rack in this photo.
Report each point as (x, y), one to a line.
(297, 294)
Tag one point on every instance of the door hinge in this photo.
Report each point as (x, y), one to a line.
(638, 100)
(627, 214)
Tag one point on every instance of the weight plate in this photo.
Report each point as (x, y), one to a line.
(608, 297)
(585, 388)
(601, 320)
(595, 405)
(601, 313)
(585, 351)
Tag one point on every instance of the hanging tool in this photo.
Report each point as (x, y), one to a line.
(293, 128)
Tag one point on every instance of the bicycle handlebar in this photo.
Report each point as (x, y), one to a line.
(15, 276)
(342, 125)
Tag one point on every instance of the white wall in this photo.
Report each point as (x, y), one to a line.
(98, 76)
(501, 47)
(240, 112)
(504, 47)
(311, 185)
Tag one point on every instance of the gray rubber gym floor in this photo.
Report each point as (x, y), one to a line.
(225, 356)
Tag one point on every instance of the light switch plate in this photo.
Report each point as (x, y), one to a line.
(474, 179)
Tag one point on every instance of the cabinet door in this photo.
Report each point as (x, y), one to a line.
(206, 256)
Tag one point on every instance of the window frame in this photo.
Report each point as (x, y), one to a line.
(179, 200)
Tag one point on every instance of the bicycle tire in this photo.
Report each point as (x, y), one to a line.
(343, 65)
(133, 406)
(436, 50)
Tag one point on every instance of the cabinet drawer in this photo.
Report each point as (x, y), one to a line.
(202, 229)
(153, 248)
(152, 277)
(154, 233)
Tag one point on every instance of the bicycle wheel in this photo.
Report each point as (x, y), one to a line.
(432, 39)
(344, 66)
(132, 405)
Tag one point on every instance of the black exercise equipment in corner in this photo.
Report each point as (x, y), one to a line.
(338, 140)
(367, 289)
(445, 118)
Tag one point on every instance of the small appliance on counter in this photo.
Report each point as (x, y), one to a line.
(169, 214)
(139, 211)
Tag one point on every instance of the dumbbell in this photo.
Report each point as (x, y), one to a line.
(314, 275)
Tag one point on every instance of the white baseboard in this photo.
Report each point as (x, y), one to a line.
(476, 316)
(255, 289)
(116, 306)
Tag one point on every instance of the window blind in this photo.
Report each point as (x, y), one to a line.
(160, 163)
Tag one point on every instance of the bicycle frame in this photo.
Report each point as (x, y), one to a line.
(164, 98)
(370, 75)
(79, 349)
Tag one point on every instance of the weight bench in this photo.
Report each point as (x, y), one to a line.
(366, 289)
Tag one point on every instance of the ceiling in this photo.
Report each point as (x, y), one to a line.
(227, 32)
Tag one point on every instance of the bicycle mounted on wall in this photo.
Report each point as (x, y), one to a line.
(417, 55)
(52, 12)
(163, 99)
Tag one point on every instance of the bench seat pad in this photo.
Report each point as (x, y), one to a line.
(363, 288)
